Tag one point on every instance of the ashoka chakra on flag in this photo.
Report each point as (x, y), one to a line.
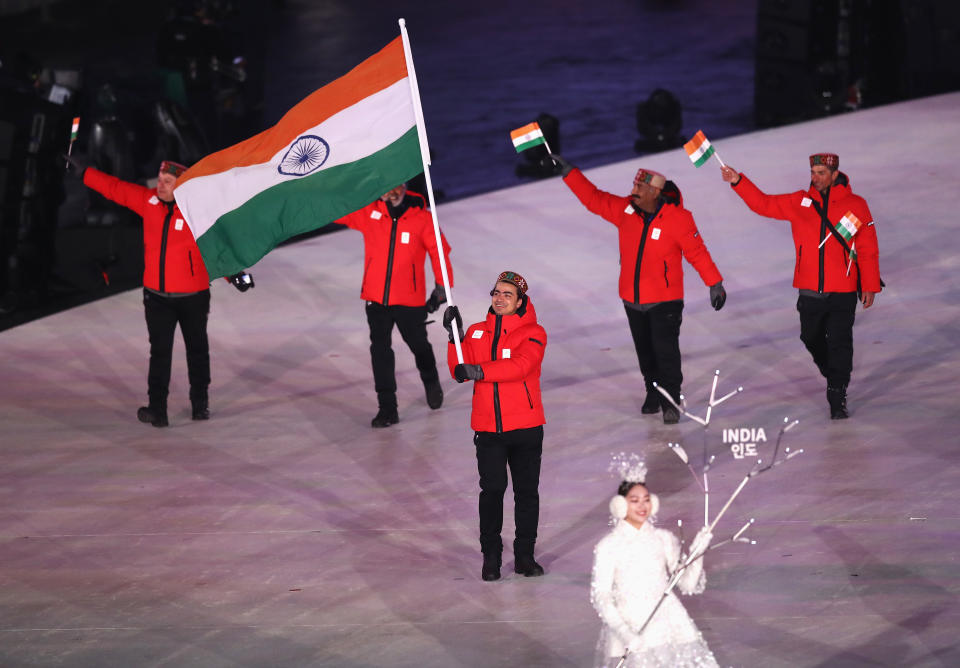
(306, 154)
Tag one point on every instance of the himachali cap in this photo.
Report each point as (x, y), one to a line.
(171, 167)
(515, 279)
(831, 160)
(655, 179)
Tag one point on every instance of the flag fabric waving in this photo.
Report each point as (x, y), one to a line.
(528, 136)
(848, 225)
(333, 153)
(699, 149)
(74, 129)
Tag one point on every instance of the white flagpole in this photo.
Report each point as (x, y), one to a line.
(425, 157)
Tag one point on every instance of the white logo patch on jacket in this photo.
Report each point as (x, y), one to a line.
(404, 237)
(655, 233)
(178, 225)
(154, 200)
(505, 354)
(806, 201)
(376, 215)
(477, 334)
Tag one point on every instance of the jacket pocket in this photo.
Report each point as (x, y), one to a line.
(529, 398)
(665, 279)
(190, 258)
(413, 272)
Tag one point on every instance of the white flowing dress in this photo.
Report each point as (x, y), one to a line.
(631, 569)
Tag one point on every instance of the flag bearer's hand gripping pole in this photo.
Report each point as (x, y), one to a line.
(425, 157)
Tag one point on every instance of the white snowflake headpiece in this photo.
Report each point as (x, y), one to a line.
(630, 467)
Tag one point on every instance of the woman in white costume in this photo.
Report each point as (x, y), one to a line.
(631, 569)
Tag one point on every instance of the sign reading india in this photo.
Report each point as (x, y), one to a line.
(743, 440)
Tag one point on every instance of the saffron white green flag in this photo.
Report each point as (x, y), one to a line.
(333, 153)
(699, 149)
(528, 136)
(848, 225)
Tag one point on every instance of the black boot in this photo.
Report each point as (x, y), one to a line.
(154, 414)
(200, 404)
(670, 415)
(491, 567)
(837, 396)
(386, 416)
(651, 405)
(434, 394)
(201, 410)
(527, 566)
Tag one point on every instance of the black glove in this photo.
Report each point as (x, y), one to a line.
(437, 297)
(450, 314)
(242, 281)
(565, 167)
(75, 166)
(464, 372)
(718, 296)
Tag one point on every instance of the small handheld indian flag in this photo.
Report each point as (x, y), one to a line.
(528, 136)
(846, 227)
(699, 149)
(73, 136)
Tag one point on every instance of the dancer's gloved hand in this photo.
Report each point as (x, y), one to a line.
(701, 541)
(718, 296)
(635, 646)
(437, 297)
(75, 166)
(464, 372)
(242, 281)
(450, 314)
(565, 167)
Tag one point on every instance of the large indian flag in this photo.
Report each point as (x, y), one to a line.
(335, 152)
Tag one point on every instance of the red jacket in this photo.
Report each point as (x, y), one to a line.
(394, 251)
(798, 208)
(650, 266)
(509, 349)
(171, 259)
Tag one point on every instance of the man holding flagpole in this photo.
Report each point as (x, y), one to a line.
(655, 232)
(397, 235)
(837, 260)
(502, 355)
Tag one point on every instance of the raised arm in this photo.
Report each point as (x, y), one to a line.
(771, 206)
(124, 193)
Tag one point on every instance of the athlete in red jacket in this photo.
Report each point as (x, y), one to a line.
(655, 233)
(828, 278)
(397, 235)
(502, 355)
(176, 288)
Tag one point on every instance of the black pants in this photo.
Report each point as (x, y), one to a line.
(519, 449)
(826, 329)
(163, 314)
(656, 336)
(411, 321)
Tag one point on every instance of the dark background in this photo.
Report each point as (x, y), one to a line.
(607, 80)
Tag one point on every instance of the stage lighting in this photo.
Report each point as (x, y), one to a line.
(659, 120)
